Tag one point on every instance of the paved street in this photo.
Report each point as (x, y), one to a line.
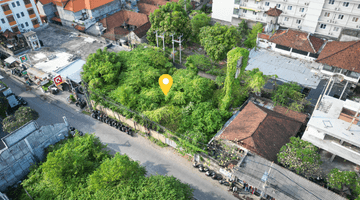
(164, 161)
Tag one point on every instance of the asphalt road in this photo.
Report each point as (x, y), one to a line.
(157, 160)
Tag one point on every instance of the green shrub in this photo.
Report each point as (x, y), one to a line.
(72, 98)
(22, 116)
(250, 41)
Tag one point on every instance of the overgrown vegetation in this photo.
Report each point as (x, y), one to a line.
(22, 116)
(344, 179)
(79, 168)
(218, 40)
(243, 29)
(289, 95)
(198, 21)
(131, 79)
(158, 142)
(46, 86)
(203, 63)
(250, 41)
(301, 156)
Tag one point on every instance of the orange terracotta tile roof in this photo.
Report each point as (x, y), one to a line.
(273, 12)
(114, 22)
(261, 130)
(142, 30)
(80, 28)
(263, 36)
(44, 2)
(345, 55)
(56, 19)
(8, 34)
(146, 8)
(77, 5)
(297, 40)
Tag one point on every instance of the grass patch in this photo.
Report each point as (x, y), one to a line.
(158, 142)
(86, 112)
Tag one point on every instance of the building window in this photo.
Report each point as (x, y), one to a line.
(340, 16)
(359, 6)
(22, 14)
(31, 11)
(10, 18)
(13, 4)
(264, 15)
(15, 29)
(5, 7)
(289, 7)
(355, 19)
(268, 3)
(278, 5)
(302, 9)
(17, 15)
(256, 2)
(346, 4)
(35, 22)
(26, 24)
(236, 11)
(286, 19)
(237, 1)
(331, 2)
(3, 20)
(22, 25)
(327, 14)
(323, 26)
(18, 3)
(27, 1)
(298, 21)
(336, 29)
(254, 13)
(244, 11)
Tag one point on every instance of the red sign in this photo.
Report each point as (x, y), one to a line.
(58, 80)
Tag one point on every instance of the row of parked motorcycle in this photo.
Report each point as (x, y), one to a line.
(111, 122)
(215, 176)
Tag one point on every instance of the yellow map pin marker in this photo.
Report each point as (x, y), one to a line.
(165, 82)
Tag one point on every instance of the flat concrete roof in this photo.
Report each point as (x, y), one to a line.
(60, 61)
(286, 68)
(325, 118)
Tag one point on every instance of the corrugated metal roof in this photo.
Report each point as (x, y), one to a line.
(72, 71)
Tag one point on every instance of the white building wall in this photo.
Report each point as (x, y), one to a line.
(311, 20)
(17, 10)
(222, 10)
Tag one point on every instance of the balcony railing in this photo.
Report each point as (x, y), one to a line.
(236, 11)
(237, 2)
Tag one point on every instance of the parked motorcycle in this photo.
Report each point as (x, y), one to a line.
(210, 173)
(21, 100)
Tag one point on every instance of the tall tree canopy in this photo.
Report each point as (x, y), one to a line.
(79, 168)
(218, 40)
(171, 18)
(301, 156)
(198, 21)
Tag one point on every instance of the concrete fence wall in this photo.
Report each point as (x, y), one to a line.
(134, 125)
(15, 160)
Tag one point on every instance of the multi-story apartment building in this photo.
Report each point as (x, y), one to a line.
(324, 17)
(334, 127)
(19, 15)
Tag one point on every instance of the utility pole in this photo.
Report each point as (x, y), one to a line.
(173, 52)
(265, 183)
(157, 41)
(177, 41)
(163, 37)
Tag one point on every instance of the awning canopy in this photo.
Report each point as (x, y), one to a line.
(10, 60)
(72, 71)
(56, 19)
(12, 101)
(37, 73)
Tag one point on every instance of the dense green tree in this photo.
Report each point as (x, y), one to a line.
(199, 61)
(301, 156)
(22, 116)
(289, 95)
(197, 22)
(188, 7)
(255, 80)
(79, 168)
(250, 41)
(218, 40)
(171, 18)
(243, 29)
(338, 179)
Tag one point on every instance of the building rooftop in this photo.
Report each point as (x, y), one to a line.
(297, 40)
(345, 55)
(263, 131)
(330, 117)
(287, 69)
(146, 8)
(77, 5)
(273, 12)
